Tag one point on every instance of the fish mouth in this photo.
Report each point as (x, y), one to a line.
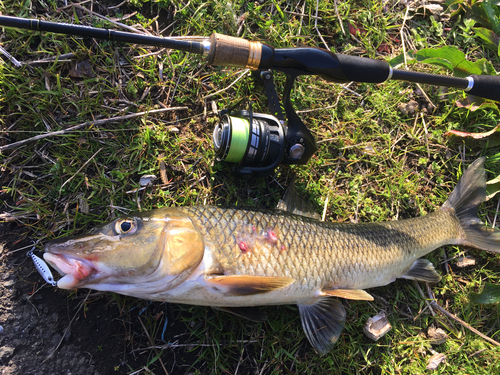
(72, 270)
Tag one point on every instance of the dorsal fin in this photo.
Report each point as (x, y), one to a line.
(296, 204)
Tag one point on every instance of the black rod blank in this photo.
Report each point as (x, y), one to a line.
(106, 34)
(306, 59)
(431, 79)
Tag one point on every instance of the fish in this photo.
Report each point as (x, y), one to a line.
(235, 259)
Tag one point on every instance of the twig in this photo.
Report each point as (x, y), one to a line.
(190, 345)
(152, 344)
(458, 320)
(239, 361)
(402, 34)
(9, 216)
(325, 208)
(79, 126)
(316, 26)
(426, 136)
(338, 16)
(225, 88)
(126, 27)
(426, 96)
(78, 171)
(11, 58)
(476, 353)
(357, 208)
(65, 57)
(302, 17)
(177, 83)
(446, 262)
(302, 14)
(66, 330)
(73, 4)
(118, 5)
(344, 87)
(496, 214)
(425, 299)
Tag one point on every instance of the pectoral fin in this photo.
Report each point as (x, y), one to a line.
(356, 294)
(250, 313)
(323, 322)
(243, 285)
(422, 270)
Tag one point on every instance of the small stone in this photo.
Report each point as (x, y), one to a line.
(377, 327)
(6, 353)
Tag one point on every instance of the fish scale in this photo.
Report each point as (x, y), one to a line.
(235, 259)
(338, 254)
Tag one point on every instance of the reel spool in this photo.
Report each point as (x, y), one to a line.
(257, 142)
(254, 141)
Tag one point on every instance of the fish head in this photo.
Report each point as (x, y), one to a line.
(138, 255)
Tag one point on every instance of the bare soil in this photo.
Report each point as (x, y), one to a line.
(46, 331)
(35, 319)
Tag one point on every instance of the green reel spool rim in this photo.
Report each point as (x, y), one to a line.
(239, 139)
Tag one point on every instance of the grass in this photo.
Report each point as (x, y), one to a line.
(374, 163)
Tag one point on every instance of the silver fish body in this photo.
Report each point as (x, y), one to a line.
(233, 258)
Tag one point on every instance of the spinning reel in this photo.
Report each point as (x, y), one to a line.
(258, 142)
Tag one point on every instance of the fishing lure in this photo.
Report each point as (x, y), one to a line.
(42, 268)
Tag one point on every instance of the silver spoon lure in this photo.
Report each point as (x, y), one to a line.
(42, 268)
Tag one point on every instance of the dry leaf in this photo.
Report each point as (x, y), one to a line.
(436, 336)
(492, 137)
(435, 361)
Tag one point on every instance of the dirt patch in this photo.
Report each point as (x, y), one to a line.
(45, 330)
(35, 320)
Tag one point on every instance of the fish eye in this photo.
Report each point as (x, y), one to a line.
(125, 226)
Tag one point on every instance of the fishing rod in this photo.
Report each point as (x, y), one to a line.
(258, 142)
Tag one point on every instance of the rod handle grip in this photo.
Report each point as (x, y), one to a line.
(231, 51)
(362, 69)
(486, 86)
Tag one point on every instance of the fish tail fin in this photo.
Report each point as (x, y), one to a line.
(464, 201)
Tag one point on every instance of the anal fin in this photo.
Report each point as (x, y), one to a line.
(250, 313)
(323, 322)
(422, 270)
(243, 285)
(355, 294)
